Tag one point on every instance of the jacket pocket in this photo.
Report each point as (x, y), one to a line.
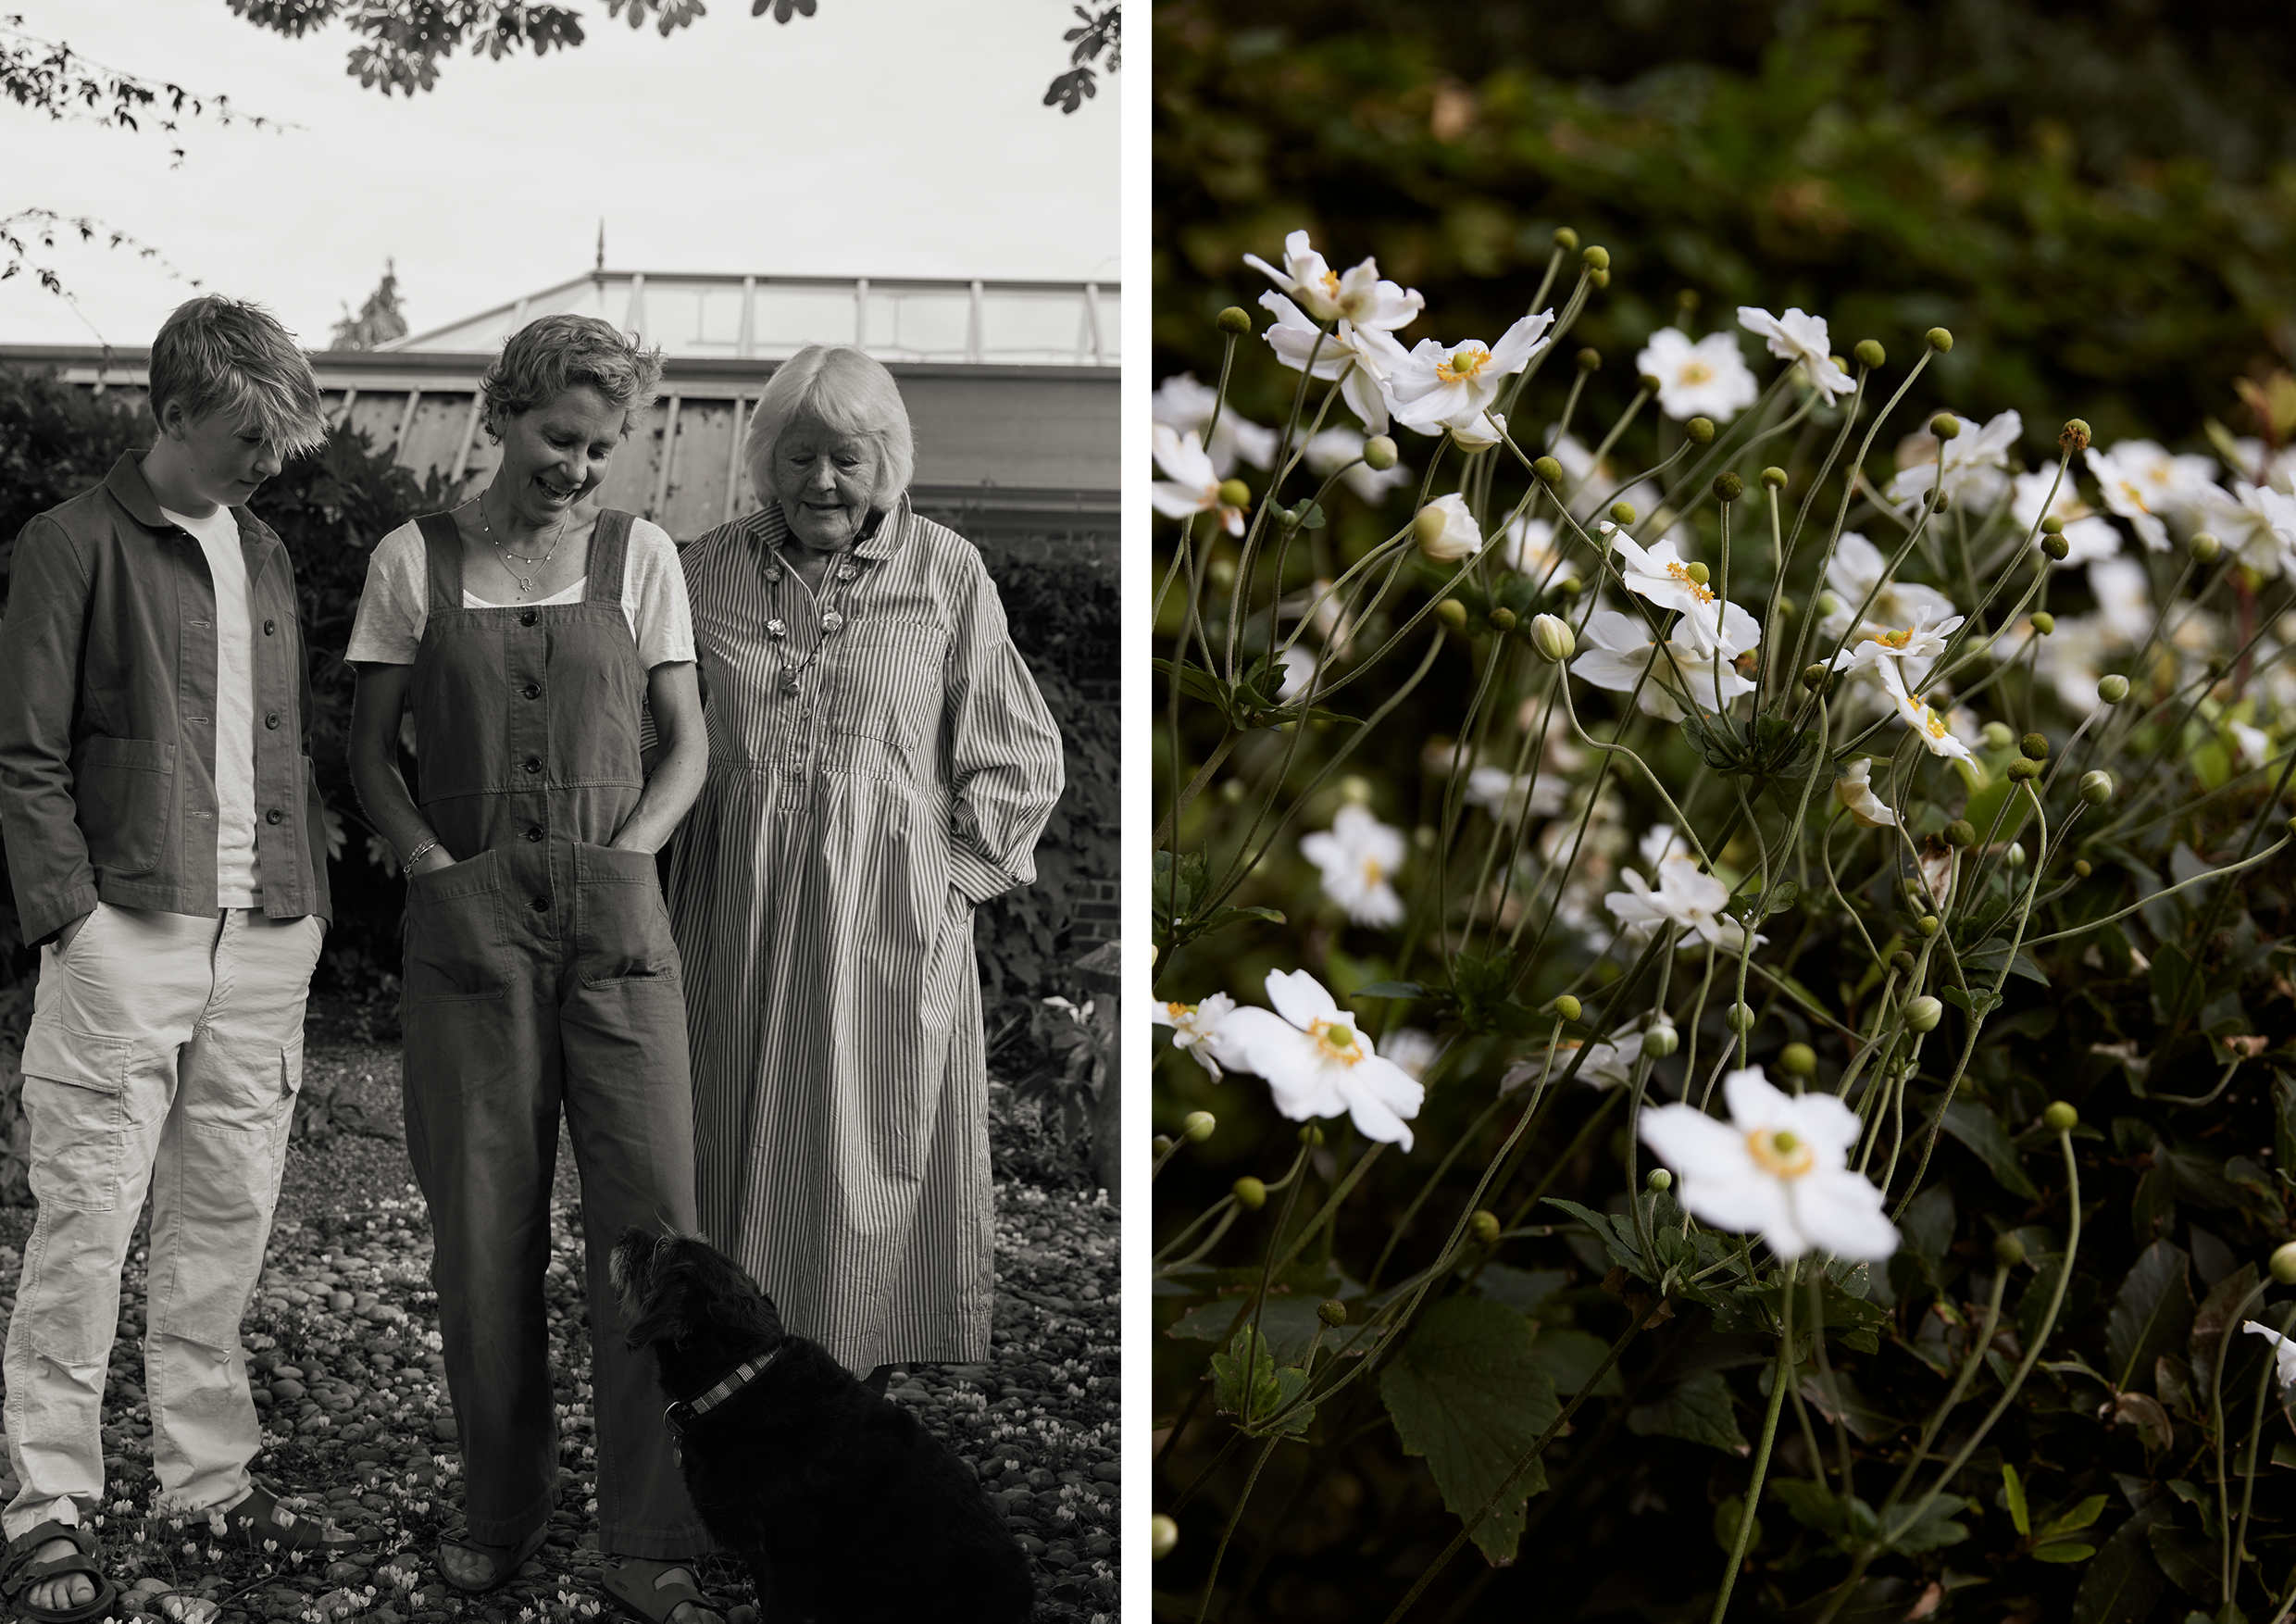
(124, 794)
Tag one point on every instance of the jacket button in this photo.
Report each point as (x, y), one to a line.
(270, 627)
(527, 619)
(271, 721)
(533, 765)
(534, 832)
(275, 816)
(540, 904)
(533, 689)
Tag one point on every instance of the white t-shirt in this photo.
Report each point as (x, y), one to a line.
(396, 604)
(238, 884)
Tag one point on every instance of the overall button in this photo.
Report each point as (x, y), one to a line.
(535, 833)
(270, 627)
(527, 619)
(540, 904)
(271, 721)
(275, 816)
(532, 691)
(533, 765)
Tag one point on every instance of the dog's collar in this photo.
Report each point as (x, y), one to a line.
(683, 1412)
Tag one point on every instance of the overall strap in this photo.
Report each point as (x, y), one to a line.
(609, 545)
(442, 552)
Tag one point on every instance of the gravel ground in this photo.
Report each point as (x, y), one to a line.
(343, 1362)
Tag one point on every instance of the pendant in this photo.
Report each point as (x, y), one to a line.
(773, 572)
(525, 584)
(790, 688)
(777, 628)
(832, 621)
(846, 572)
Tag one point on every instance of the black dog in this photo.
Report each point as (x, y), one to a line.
(846, 1509)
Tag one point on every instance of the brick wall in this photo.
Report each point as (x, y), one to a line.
(1096, 915)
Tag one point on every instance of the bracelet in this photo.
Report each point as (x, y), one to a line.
(418, 855)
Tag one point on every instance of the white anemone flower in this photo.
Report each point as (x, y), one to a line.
(1509, 797)
(1356, 856)
(1317, 1064)
(1299, 674)
(1187, 404)
(1458, 538)
(1358, 295)
(2088, 535)
(1856, 569)
(2129, 496)
(1196, 1030)
(1779, 1167)
(1854, 790)
(1413, 1050)
(2173, 483)
(1439, 387)
(2256, 745)
(1935, 733)
(1660, 574)
(1338, 448)
(1529, 548)
(1194, 486)
(1974, 468)
(1801, 339)
(1919, 644)
(2071, 658)
(2283, 1352)
(1708, 379)
(2124, 594)
(1684, 896)
(1615, 649)
(1360, 358)
(1608, 1063)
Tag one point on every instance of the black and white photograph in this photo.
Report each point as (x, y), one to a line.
(559, 768)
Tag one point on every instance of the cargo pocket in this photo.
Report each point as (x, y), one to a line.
(456, 944)
(124, 789)
(622, 927)
(75, 1103)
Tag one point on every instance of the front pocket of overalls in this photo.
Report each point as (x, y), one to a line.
(122, 791)
(76, 1104)
(622, 927)
(456, 944)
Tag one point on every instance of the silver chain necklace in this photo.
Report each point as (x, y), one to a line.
(525, 582)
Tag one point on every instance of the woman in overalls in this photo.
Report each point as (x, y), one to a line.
(527, 632)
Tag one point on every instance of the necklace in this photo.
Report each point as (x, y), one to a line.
(832, 622)
(525, 582)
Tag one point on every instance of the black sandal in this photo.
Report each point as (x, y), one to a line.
(19, 1572)
(259, 1518)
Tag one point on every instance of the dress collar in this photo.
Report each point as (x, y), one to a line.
(770, 530)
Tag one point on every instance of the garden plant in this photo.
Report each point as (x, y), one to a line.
(1725, 944)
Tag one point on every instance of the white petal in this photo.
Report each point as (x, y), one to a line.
(1755, 1101)
(1840, 1212)
(1299, 998)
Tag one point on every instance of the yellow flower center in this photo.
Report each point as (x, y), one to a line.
(1372, 873)
(1892, 639)
(1694, 372)
(2135, 494)
(1932, 723)
(1336, 1040)
(1178, 1012)
(1681, 573)
(1779, 1153)
(1331, 285)
(1465, 362)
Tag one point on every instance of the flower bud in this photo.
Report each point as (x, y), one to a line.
(1818, 678)
(1235, 320)
(1569, 586)
(1196, 1127)
(1379, 453)
(1940, 500)
(2058, 547)
(1869, 353)
(1235, 493)
(1589, 361)
(1310, 1135)
(2075, 436)
(1699, 430)
(1551, 635)
(1355, 788)
(1797, 1060)
(1786, 605)
(1250, 1194)
(1622, 512)
(1738, 1017)
(1661, 1041)
(2035, 746)
(1600, 279)
(1161, 1142)
(1597, 258)
(1938, 339)
(1727, 487)
(2204, 547)
(1945, 426)
(1222, 572)
(1503, 621)
(1961, 833)
(1840, 365)
(2051, 525)
(1997, 736)
(2096, 788)
(1445, 530)
(1658, 1180)
(1568, 1007)
(1698, 573)
(2015, 856)
(1927, 924)
(2044, 622)
(2060, 1118)
(2283, 1263)
(1452, 613)
(1649, 383)
(1923, 1014)
(2083, 868)
(1566, 239)
(1774, 479)
(2022, 769)
(2008, 1251)
(1331, 1311)
(1484, 1227)
(2113, 688)
(1163, 1534)
(1550, 472)
(1901, 962)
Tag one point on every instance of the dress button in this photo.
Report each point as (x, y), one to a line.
(271, 721)
(533, 690)
(270, 627)
(540, 904)
(534, 831)
(275, 816)
(533, 765)
(527, 619)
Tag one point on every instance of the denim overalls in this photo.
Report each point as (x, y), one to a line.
(540, 973)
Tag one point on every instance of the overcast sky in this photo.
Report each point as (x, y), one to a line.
(876, 138)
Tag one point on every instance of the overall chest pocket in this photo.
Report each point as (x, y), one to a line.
(891, 681)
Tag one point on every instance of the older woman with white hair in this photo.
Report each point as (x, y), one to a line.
(880, 762)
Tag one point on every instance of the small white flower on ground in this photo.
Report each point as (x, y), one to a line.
(2088, 534)
(1299, 674)
(1193, 486)
(1317, 1064)
(1778, 1167)
(1508, 797)
(1530, 546)
(1933, 729)
(2127, 496)
(1708, 379)
(1607, 1063)
(2283, 1351)
(1801, 339)
(1195, 1028)
(1413, 1050)
(1854, 790)
(1974, 468)
(1186, 406)
(1360, 358)
(1334, 449)
(1438, 386)
(1457, 538)
(1684, 896)
(1359, 295)
(1357, 856)
(1922, 642)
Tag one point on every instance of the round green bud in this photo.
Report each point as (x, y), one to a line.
(1310, 1135)
(1196, 1127)
(1223, 572)
(1699, 430)
(1774, 479)
(1162, 1143)
(1568, 1007)
(1658, 1180)
(1797, 1060)
(1250, 1194)
(1698, 573)
(1550, 472)
(2283, 1263)
(1600, 279)
(2074, 437)
(1940, 500)
(1945, 426)
(1597, 256)
(1484, 1227)
(1727, 487)
(2034, 746)
(1235, 493)
(1235, 320)
(2022, 769)
(1923, 1014)
(1869, 353)
(2083, 868)
(1502, 620)
(1331, 1311)
(1233, 790)
(2051, 526)
(1688, 299)
(1649, 383)
(2113, 688)
(1901, 962)
(1997, 736)
(1379, 453)
(1163, 1535)
(1566, 239)
(1738, 1017)
(1961, 833)
(1569, 586)
(2044, 622)
(1589, 361)
(1827, 604)
(2060, 1118)
(1785, 606)
(2096, 788)
(1927, 924)
(2204, 547)
(1818, 678)
(2008, 1251)
(1939, 339)
(1660, 1042)
(2058, 547)
(1355, 788)
(1452, 613)
(1551, 636)
(1622, 513)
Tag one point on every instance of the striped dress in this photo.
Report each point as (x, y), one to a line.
(880, 761)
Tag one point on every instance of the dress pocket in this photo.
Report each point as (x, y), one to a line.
(622, 927)
(455, 942)
(891, 684)
(124, 791)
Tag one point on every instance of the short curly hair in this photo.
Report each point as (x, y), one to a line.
(220, 354)
(548, 357)
(844, 389)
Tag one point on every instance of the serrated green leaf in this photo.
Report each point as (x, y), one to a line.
(1570, 1358)
(1699, 1411)
(1617, 1234)
(1977, 1129)
(1247, 1384)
